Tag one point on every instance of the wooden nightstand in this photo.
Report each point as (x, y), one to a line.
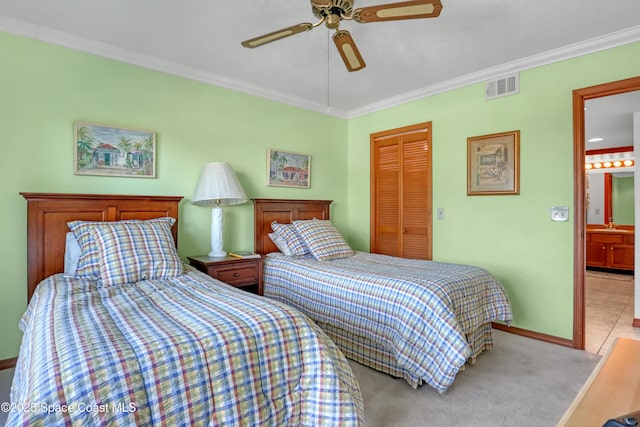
(245, 273)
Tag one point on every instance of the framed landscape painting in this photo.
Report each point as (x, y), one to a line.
(285, 169)
(114, 151)
(493, 164)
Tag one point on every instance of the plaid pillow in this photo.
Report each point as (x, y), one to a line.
(132, 252)
(290, 235)
(88, 262)
(323, 239)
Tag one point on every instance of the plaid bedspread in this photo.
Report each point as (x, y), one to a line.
(409, 318)
(187, 351)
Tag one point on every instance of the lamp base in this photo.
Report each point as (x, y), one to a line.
(216, 233)
(217, 254)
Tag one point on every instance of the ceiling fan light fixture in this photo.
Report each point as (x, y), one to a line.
(322, 8)
(332, 21)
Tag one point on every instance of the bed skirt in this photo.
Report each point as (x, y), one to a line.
(376, 356)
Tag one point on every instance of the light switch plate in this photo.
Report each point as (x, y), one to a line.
(560, 213)
(440, 213)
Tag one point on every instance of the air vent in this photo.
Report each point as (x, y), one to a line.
(503, 86)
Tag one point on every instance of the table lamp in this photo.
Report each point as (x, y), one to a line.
(218, 186)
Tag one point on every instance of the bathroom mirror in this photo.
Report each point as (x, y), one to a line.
(611, 195)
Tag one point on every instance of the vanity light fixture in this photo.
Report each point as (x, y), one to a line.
(607, 165)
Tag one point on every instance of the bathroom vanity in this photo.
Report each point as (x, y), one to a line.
(610, 248)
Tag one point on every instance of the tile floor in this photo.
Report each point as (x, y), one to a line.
(609, 310)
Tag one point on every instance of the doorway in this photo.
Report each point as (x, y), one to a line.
(579, 98)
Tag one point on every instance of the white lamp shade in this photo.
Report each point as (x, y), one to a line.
(218, 185)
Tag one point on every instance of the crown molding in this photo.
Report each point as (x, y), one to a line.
(98, 48)
(106, 50)
(619, 38)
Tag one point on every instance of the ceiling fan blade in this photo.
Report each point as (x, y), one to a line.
(277, 35)
(348, 51)
(395, 11)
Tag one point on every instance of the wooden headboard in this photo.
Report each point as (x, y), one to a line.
(284, 211)
(48, 214)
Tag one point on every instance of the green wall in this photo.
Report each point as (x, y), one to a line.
(512, 236)
(44, 88)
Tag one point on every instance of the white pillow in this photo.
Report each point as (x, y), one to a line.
(71, 255)
(281, 244)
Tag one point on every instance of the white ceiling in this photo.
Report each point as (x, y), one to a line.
(611, 118)
(470, 41)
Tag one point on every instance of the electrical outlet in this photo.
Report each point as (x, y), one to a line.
(560, 213)
(440, 213)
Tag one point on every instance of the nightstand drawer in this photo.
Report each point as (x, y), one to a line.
(235, 275)
(245, 273)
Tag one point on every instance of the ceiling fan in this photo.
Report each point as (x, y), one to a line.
(331, 12)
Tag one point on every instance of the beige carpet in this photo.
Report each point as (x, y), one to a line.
(520, 382)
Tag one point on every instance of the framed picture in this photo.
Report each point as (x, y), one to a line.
(493, 164)
(113, 151)
(287, 169)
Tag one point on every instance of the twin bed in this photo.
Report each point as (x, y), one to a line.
(171, 347)
(413, 319)
(135, 336)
